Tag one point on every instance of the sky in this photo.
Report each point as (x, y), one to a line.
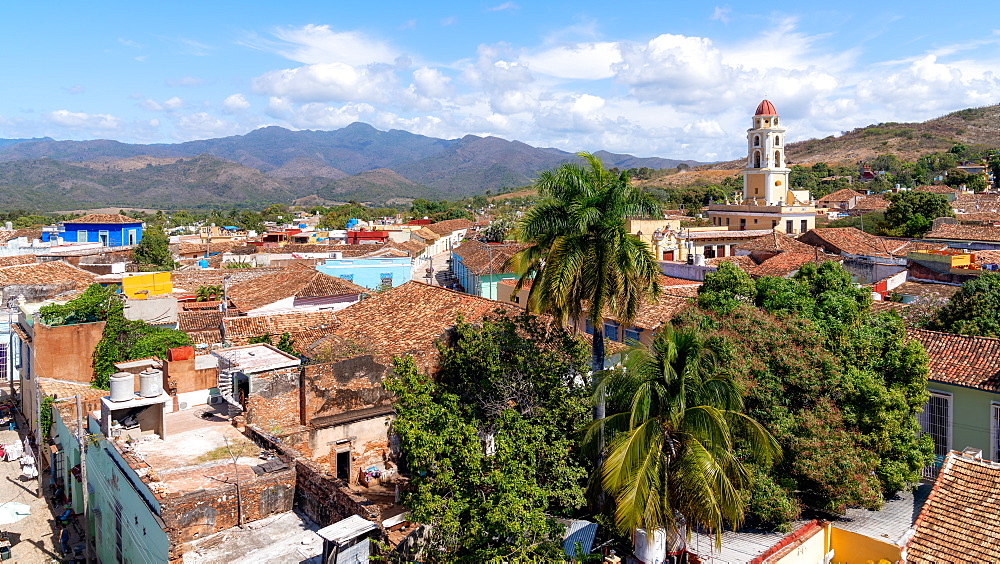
(667, 79)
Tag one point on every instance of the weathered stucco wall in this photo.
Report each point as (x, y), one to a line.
(66, 352)
(335, 388)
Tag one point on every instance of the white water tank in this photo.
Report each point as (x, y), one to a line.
(150, 383)
(122, 386)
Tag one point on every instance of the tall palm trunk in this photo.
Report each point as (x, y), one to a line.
(596, 365)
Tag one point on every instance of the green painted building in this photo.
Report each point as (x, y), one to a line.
(964, 382)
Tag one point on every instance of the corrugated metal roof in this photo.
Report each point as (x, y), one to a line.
(578, 531)
(346, 529)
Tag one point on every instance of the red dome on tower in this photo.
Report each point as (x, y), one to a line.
(766, 108)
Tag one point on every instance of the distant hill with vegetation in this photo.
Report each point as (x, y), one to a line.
(272, 164)
(973, 127)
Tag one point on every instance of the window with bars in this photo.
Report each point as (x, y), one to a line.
(936, 422)
(611, 331)
(3, 362)
(386, 278)
(995, 435)
(632, 334)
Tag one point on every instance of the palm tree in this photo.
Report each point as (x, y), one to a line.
(207, 293)
(581, 259)
(675, 435)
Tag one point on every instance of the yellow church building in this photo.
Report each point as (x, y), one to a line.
(769, 202)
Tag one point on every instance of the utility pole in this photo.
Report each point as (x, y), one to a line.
(81, 435)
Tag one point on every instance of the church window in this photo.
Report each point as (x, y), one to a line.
(777, 158)
(777, 141)
(756, 140)
(756, 159)
(775, 120)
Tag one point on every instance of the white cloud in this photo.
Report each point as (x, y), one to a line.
(318, 44)
(235, 103)
(431, 82)
(721, 14)
(166, 106)
(450, 20)
(202, 125)
(81, 120)
(326, 82)
(591, 61)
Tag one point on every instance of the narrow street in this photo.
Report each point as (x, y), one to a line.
(35, 538)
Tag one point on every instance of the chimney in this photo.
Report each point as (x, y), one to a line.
(973, 453)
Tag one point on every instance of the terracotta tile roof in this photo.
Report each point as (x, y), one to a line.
(926, 291)
(958, 522)
(244, 327)
(965, 233)
(909, 246)
(103, 218)
(191, 321)
(18, 259)
(407, 319)
(426, 234)
(936, 189)
(345, 250)
(847, 240)
(671, 281)
(208, 336)
(652, 315)
(843, 195)
(874, 202)
(984, 217)
(788, 262)
(962, 360)
(775, 242)
(743, 261)
(296, 280)
(449, 226)
(189, 280)
(881, 305)
(52, 272)
(199, 248)
(527, 283)
(413, 247)
(986, 257)
(485, 258)
(31, 234)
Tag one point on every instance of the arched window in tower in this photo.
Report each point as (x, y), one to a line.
(756, 140)
(776, 121)
(777, 141)
(756, 159)
(777, 158)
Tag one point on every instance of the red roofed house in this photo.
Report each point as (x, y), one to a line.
(295, 288)
(964, 383)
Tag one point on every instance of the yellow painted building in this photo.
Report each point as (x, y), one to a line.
(142, 286)
(769, 202)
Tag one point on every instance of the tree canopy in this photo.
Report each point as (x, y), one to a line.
(911, 213)
(153, 249)
(838, 387)
(490, 442)
(973, 310)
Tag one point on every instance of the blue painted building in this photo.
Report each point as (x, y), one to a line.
(111, 230)
(372, 273)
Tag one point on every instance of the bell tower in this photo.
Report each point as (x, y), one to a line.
(765, 178)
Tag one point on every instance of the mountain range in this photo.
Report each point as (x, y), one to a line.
(272, 164)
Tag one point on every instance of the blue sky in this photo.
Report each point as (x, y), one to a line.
(660, 78)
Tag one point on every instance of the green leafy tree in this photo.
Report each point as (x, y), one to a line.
(727, 288)
(580, 251)
(910, 213)
(973, 310)
(679, 438)
(488, 440)
(154, 249)
(837, 386)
